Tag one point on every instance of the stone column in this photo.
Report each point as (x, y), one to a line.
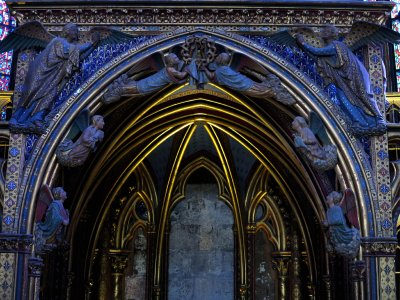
(357, 277)
(151, 244)
(118, 260)
(296, 282)
(309, 283)
(251, 236)
(280, 263)
(35, 266)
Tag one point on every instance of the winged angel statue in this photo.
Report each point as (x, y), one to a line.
(201, 64)
(51, 68)
(342, 221)
(308, 140)
(340, 66)
(50, 216)
(82, 139)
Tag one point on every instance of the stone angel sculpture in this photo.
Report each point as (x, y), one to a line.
(313, 143)
(164, 70)
(223, 71)
(340, 66)
(49, 71)
(51, 216)
(82, 139)
(343, 233)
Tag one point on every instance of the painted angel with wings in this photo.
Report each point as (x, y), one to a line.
(82, 139)
(231, 71)
(163, 69)
(342, 221)
(313, 142)
(51, 68)
(50, 215)
(340, 66)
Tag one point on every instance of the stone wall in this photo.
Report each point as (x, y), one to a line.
(201, 249)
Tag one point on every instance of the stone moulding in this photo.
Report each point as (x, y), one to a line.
(16, 243)
(379, 246)
(244, 17)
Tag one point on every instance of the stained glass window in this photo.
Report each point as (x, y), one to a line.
(7, 23)
(396, 27)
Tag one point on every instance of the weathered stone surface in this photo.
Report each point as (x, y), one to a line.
(135, 282)
(201, 247)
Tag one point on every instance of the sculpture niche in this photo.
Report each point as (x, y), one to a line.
(74, 154)
(344, 239)
(51, 68)
(340, 66)
(308, 139)
(48, 232)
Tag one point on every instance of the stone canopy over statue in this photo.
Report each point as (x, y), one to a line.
(340, 66)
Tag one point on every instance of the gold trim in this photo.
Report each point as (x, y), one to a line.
(393, 98)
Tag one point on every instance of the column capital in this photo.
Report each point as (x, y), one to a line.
(119, 259)
(35, 266)
(280, 262)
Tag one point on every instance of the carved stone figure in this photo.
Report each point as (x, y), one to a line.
(126, 86)
(50, 69)
(56, 216)
(269, 86)
(339, 66)
(73, 154)
(343, 239)
(321, 157)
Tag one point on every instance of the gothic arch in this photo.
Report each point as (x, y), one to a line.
(310, 97)
(229, 114)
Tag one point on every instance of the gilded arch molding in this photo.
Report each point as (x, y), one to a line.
(90, 91)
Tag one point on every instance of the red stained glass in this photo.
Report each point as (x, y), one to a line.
(398, 81)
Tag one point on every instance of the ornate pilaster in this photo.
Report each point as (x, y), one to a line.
(12, 246)
(118, 260)
(382, 250)
(382, 198)
(280, 263)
